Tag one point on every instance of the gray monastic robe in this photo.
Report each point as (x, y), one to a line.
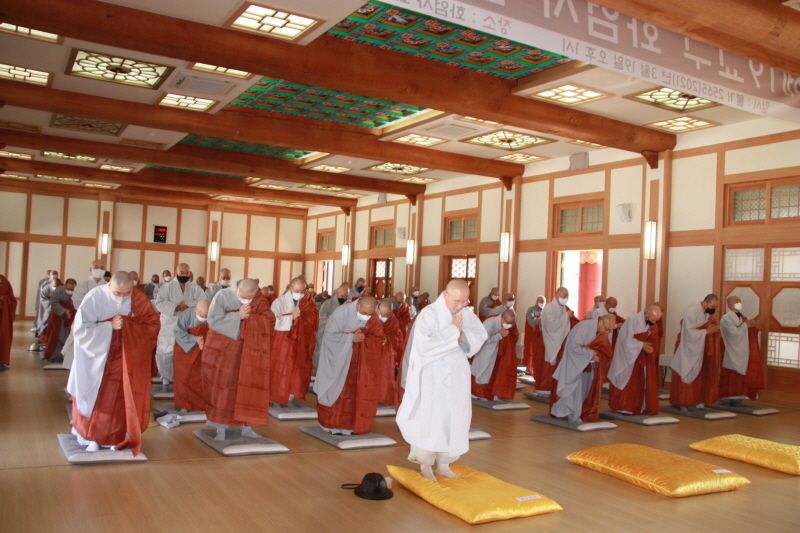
(56, 297)
(212, 290)
(336, 353)
(44, 308)
(483, 364)
(218, 317)
(186, 320)
(325, 312)
(573, 382)
(483, 306)
(534, 315)
(39, 287)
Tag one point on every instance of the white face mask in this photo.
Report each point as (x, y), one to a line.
(510, 305)
(494, 297)
(507, 326)
(244, 301)
(612, 310)
(563, 301)
(362, 317)
(70, 292)
(383, 318)
(201, 319)
(415, 293)
(296, 296)
(738, 306)
(225, 282)
(135, 282)
(167, 278)
(119, 299)
(98, 273)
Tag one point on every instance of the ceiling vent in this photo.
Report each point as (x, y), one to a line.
(452, 130)
(119, 163)
(197, 84)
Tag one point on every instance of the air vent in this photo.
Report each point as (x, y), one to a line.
(203, 85)
(452, 130)
(118, 163)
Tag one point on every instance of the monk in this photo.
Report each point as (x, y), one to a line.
(489, 302)
(297, 320)
(97, 270)
(403, 312)
(271, 295)
(695, 365)
(634, 370)
(423, 301)
(150, 287)
(236, 359)
(349, 374)
(609, 307)
(506, 302)
(62, 313)
(325, 311)
(115, 331)
(742, 374)
(394, 340)
(582, 370)
(596, 309)
(135, 277)
(223, 283)
(436, 411)
(534, 342)
(47, 279)
(360, 286)
(190, 335)
(8, 310)
(494, 369)
(45, 292)
(557, 320)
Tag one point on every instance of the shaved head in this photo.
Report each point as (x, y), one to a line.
(509, 316)
(606, 323)
(562, 292)
(400, 297)
(97, 263)
(343, 291)
(182, 270)
(366, 305)
(202, 308)
(456, 295)
(385, 308)
(494, 292)
(121, 284)
(71, 282)
(247, 288)
(611, 302)
(298, 284)
(541, 300)
(711, 298)
(598, 299)
(653, 313)
(225, 274)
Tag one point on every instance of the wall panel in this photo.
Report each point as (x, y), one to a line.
(82, 218)
(291, 236)
(234, 231)
(262, 233)
(128, 223)
(40, 258)
(47, 215)
(626, 188)
(193, 227)
(79, 259)
(162, 216)
(622, 265)
(14, 211)
(694, 193)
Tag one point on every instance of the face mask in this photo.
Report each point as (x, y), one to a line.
(510, 305)
(415, 293)
(384, 318)
(738, 306)
(612, 310)
(244, 301)
(360, 289)
(506, 326)
(494, 297)
(563, 301)
(296, 296)
(224, 282)
(650, 323)
(70, 292)
(119, 299)
(98, 273)
(167, 278)
(362, 317)
(183, 279)
(201, 319)
(135, 282)
(342, 300)
(711, 311)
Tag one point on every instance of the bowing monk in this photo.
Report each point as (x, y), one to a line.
(634, 370)
(62, 313)
(557, 320)
(494, 369)
(135, 277)
(394, 340)
(297, 320)
(742, 375)
(96, 272)
(488, 303)
(436, 411)
(115, 332)
(534, 342)
(403, 311)
(349, 374)
(325, 312)
(190, 336)
(581, 371)
(45, 291)
(236, 359)
(8, 310)
(695, 366)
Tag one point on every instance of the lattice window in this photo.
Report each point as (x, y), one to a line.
(785, 264)
(592, 218)
(786, 308)
(462, 228)
(327, 242)
(750, 204)
(382, 236)
(463, 267)
(744, 264)
(581, 217)
(783, 349)
(763, 202)
(380, 269)
(785, 201)
(569, 221)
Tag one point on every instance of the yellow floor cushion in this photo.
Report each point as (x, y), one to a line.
(474, 496)
(662, 472)
(761, 452)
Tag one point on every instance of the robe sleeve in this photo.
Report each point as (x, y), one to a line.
(283, 317)
(731, 331)
(186, 340)
(194, 298)
(532, 318)
(55, 302)
(693, 327)
(164, 305)
(221, 321)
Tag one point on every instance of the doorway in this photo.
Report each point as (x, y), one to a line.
(581, 272)
(382, 272)
(324, 276)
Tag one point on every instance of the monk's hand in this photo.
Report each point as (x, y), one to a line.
(595, 357)
(503, 333)
(296, 313)
(181, 306)
(458, 322)
(116, 323)
(570, 313)
(385, 340)
(648, 348)
(751, 323)
(713, 328)
(244, 311)
(358, 336)
(200, 342)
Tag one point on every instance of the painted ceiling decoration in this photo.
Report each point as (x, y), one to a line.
(196, 172)
(87, 125)
(388, 27)
(672, 99)
(117, 69)
(244, 147)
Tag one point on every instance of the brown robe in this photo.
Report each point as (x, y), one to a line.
(640, 395)
(8, 310)
(705, 387)
(189, 374)
(542, 370)
(534, 342)
(503, 382)
(390, 356)
(292, 352)
(53, 331)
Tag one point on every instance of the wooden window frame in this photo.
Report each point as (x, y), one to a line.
(730, 190)
(323, 235)
(381, 227)
(463, 217)
(580, 205)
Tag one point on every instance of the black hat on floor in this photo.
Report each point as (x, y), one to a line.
(373, 487)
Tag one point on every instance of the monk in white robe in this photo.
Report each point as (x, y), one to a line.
(223, 283)
(96, 272)
(173, 298)
(436, 411)
(557, 320)
(325, 311)
(742, 373)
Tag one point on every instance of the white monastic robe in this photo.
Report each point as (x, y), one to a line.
(597, 312)
(283, 306)
(169, 296)
(573, 382)
(627, 350)
(336, 353)
(483, 364)
(436, 411)
(325, 311)
(555, 327)
(737, 342)
(80, 292)
(92, 340)
(688, 358)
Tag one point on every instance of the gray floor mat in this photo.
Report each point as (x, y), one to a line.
(703, 414)
(642, 420)
(751, 410)
(353, 442)
(235, 444)
(500, 406)
(536, 397)
(77, 454)
(575, 426)
(297, 411)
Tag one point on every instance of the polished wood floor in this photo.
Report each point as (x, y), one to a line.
(187, 487)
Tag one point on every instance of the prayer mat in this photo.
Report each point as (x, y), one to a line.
(294, 411)
(575, 426)
(477, 434)
(189, 417)
(76, 454)
(54, 366)
(386, 410)
(523, 369)
(702, 414)
(663, 396)
(352, 442)
(520, 386)
(156, 379)
(537, 397)
(746, 409)
(643, 420)
(500, 406)
(236, 445)
(526, 380)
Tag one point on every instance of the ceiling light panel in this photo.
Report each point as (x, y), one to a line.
(117, 69)
(508, 140)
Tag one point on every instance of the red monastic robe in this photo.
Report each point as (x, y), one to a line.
(640, 395)
(590, 411)
(615, 334)
(534, 342)
(236, 376)
(391, 355)
(53, 330)
(122, 410)
(292, 352)
(497, 303)
(542, 370)
(732, 383)
(189, 374)
(358, 402)
(403, 314)
(271, 298)
(503, 382)
(705, 387)
(8, 310)
(401, 355)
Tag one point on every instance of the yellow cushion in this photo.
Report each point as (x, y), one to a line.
(761, 452)
(662, 472)
(475, 497)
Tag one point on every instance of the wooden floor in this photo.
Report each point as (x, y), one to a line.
(187, 487)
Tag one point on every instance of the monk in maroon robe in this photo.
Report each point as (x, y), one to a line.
(8, 311)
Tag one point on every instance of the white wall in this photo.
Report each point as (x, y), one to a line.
(47, 215)
(626, 188)
(535, 201)
(14, 211)
(622, 265)
(691, 274)
(694, 193)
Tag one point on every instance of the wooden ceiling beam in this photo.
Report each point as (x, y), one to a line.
(172, 180)
(760, 30)
(276, 129)
(206, 160)
(330, 63)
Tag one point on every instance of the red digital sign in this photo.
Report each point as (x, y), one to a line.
(160, 234)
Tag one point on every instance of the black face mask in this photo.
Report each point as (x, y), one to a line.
(360, 289)
(711, 311)
(650, 323)
(183, 279)
(342, 300)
